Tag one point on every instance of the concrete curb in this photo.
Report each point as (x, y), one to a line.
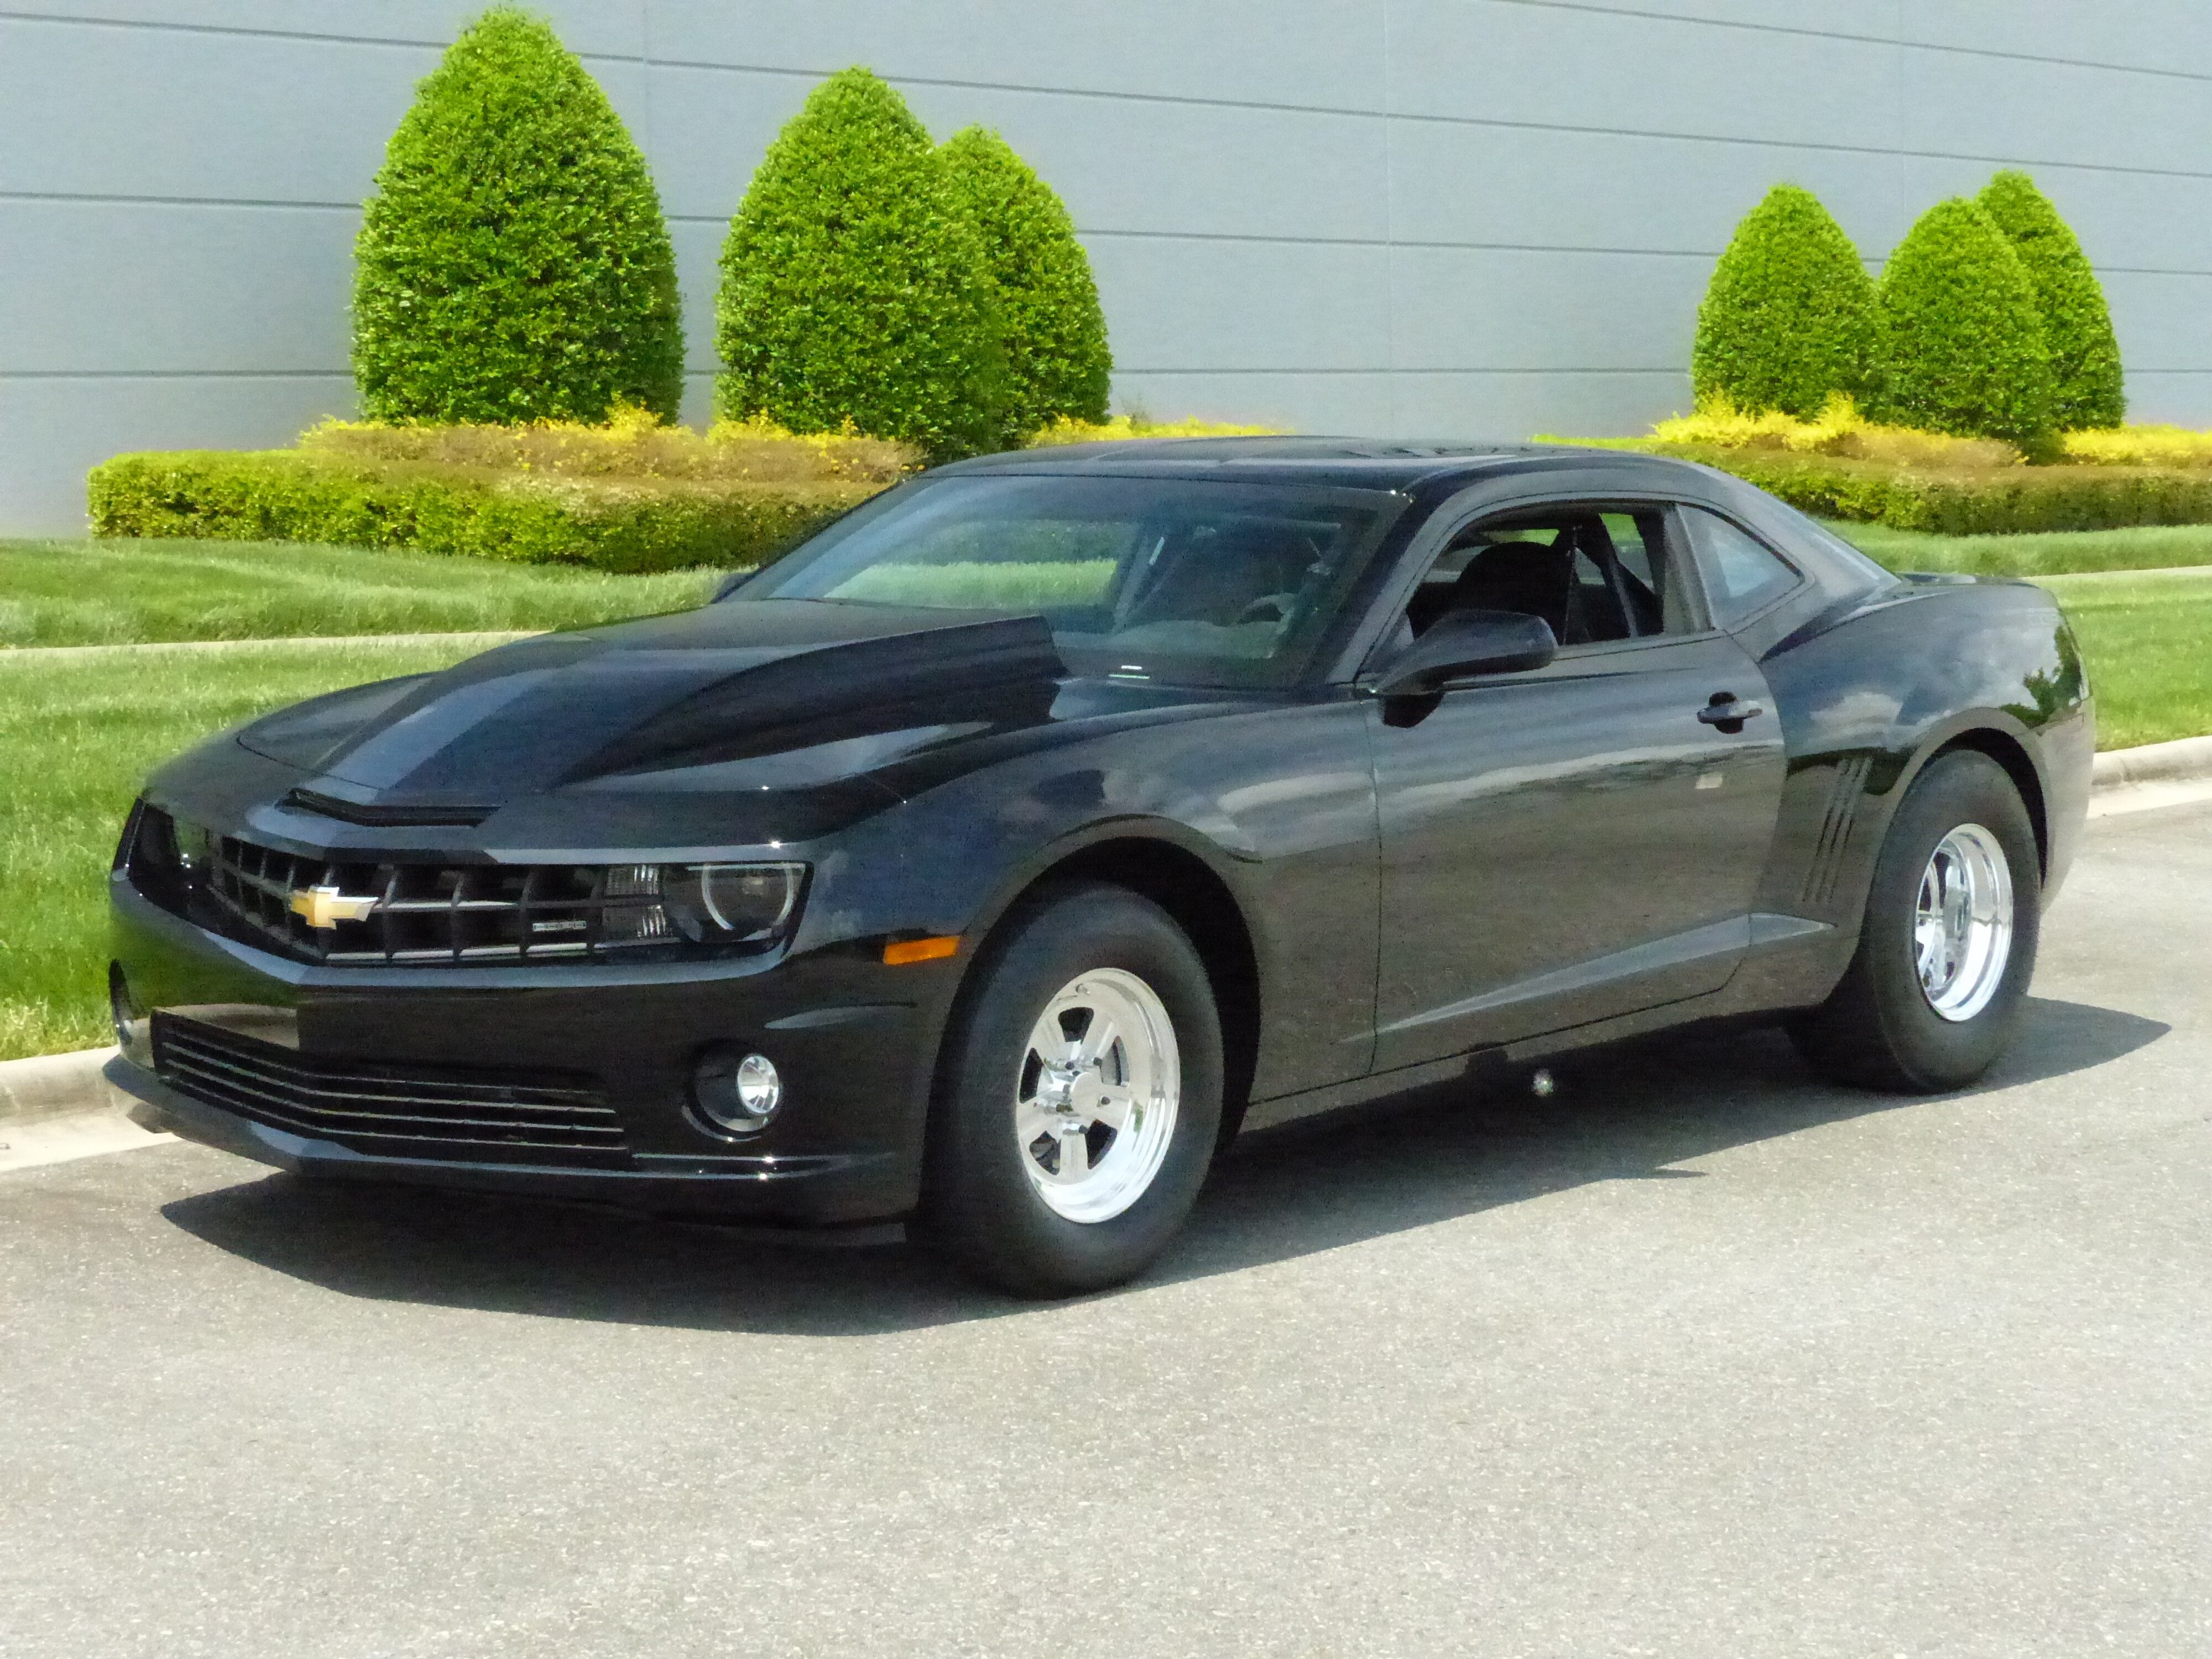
(2125, 780)
(2154, 775)
(56, 1086)
(2185, 760)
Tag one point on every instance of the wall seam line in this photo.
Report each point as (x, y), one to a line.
(410, 43)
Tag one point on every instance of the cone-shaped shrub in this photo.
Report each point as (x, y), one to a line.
(1058, 366)
(1788, 319)
(2087, 388)
(513, 265)
(1962, 333)
(853, 284)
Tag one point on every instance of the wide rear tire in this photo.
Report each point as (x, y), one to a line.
(1947, 945)
(1079, 1101)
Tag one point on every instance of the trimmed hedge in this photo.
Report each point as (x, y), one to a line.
(1838, 429)
(854, 292)
(1788, 319)
(633, 447)
(1127, 429)
(2140, 446)
(513, 265)
(1962, 336)
(1058, 364)
(2088, 388)
(623, 524)
(1993, 500)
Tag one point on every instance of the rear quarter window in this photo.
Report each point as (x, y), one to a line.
(1742, 574)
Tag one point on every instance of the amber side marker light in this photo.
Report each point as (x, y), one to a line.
(919, 950)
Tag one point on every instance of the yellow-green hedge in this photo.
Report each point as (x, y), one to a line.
(1977, 501)
(626, 525)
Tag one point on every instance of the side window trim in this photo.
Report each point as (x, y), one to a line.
(1616, 578)
(1682, 554)
(1640, 642)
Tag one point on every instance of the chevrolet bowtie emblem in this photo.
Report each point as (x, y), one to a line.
(326, 906)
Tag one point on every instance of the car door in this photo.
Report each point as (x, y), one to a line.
(1580, 841)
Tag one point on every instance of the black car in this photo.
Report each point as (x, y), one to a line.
(985, 862)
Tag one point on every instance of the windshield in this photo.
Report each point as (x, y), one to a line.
(1194, 582)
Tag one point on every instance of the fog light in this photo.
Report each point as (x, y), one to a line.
(740, 1095)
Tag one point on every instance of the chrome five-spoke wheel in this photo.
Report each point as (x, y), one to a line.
(1081, 1102)
(1962, 922)
(1095, 1105)
(1947, 940)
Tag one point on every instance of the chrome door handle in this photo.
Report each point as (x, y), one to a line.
(1728, 712)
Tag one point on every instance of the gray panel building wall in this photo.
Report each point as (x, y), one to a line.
(1482, 217)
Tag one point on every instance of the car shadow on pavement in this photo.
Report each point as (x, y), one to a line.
(1631, 1113)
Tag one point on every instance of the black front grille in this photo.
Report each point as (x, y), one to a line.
(371, 1106)
(430, 913)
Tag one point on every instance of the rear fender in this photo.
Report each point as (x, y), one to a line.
(1870, 701)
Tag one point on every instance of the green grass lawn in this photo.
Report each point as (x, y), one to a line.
(89, 593)
(2141, 601)
(2150, 547)
(78, 735)
(2147, 638)
(122, 593)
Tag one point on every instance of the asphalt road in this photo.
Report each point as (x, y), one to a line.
(1696, 1357)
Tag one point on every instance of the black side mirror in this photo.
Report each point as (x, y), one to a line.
(1461, 644)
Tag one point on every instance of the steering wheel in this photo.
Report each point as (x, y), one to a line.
(1268, 607)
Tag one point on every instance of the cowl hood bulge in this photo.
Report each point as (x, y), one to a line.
(738, 696)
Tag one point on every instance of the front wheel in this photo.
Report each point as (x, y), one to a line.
(1947, 945)
(1080, 1099)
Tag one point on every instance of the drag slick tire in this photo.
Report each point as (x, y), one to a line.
(1080, 1099)
(1947, 945)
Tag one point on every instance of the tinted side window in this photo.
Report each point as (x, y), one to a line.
(1741, 575)
(1595, 575)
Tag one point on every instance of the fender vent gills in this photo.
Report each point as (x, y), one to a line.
(1828, 862)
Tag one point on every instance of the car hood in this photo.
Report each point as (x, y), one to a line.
(740, 697)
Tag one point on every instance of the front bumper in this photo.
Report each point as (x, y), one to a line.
(815, 1190)
(853, 1040)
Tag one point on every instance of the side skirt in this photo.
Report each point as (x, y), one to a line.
(1792, 964)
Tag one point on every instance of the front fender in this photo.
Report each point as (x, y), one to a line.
(1276, 803)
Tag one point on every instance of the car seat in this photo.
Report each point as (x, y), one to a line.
(1527, 577)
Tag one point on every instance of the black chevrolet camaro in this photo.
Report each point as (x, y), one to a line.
(987, 861)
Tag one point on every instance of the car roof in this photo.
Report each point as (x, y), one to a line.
(1397, 464)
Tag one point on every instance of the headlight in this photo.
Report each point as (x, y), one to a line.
(195, 849)
(744, 903)
(167, 858)
(701, 903)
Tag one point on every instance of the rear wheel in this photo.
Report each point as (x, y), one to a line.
(1080, 1099)
(1947, 945)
